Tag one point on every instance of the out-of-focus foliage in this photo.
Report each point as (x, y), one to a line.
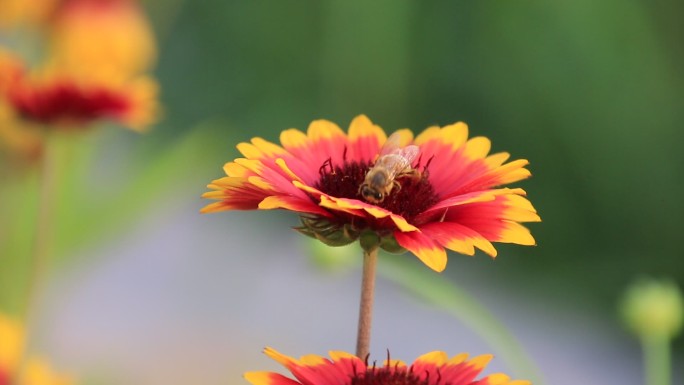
(590, 92)
(107, 184)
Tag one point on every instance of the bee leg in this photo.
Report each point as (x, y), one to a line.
(396, 185)
(414, 174)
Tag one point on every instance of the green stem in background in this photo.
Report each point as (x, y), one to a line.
(442, 293)
(657, 360)
(370, 261)
(42, 240)
(40, 254)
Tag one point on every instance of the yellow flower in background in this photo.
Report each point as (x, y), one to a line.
(11, 346)
(440, 189)
(434, 368)
(101, 39)
(35, 371)
(16, 13)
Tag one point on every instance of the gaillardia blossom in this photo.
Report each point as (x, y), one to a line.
(95, 68)
(434, 368)
(54, 96)
(448, 199)
(64, 101)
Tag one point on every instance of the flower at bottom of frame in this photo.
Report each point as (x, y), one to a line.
(434, 368)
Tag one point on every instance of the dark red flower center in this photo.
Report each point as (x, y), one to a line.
(68, 102)
(410, 196)
(391, 376)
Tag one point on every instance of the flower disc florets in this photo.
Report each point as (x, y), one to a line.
(392, 376)
(343, 181)
(437, 191)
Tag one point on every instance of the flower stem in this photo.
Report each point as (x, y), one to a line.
(40, 251)
(656, 360)
(43, 227)
(370, 261)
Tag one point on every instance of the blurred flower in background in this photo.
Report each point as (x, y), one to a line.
(23, 13)
(654, 311)
(93, 67)
(454, 205)
(64, 65)
(433, 368)
(102, 39)
(15, 369)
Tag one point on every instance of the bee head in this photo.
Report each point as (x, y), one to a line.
(371, 195)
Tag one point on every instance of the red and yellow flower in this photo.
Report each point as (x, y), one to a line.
(34, 371)
(456, 204)
(52, 98)
(433, 368)
(98, 53)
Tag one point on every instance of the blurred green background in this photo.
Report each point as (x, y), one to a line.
(592, 93)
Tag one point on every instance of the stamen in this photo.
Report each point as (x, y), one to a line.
(327, 163)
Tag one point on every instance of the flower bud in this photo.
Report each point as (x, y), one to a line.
(652, 308)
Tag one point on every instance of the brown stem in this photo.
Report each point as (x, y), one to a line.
(370, 260)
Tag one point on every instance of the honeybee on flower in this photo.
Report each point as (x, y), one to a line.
(393, 163)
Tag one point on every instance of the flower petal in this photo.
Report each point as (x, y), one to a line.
(323, 141)
(508, 173)
(293, 204)
(497, 220)
(355, 206)
(365, 139)
(477, 147)
(268, 378)
(429, 252)
(457, 237)
(433, 358)
(234, 193)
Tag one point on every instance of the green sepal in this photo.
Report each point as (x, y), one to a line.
(390, 245)
(329, 233)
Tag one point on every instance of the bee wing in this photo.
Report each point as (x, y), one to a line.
(410, 153)
(392, 144)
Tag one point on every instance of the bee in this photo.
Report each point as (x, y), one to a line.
(393, 162)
